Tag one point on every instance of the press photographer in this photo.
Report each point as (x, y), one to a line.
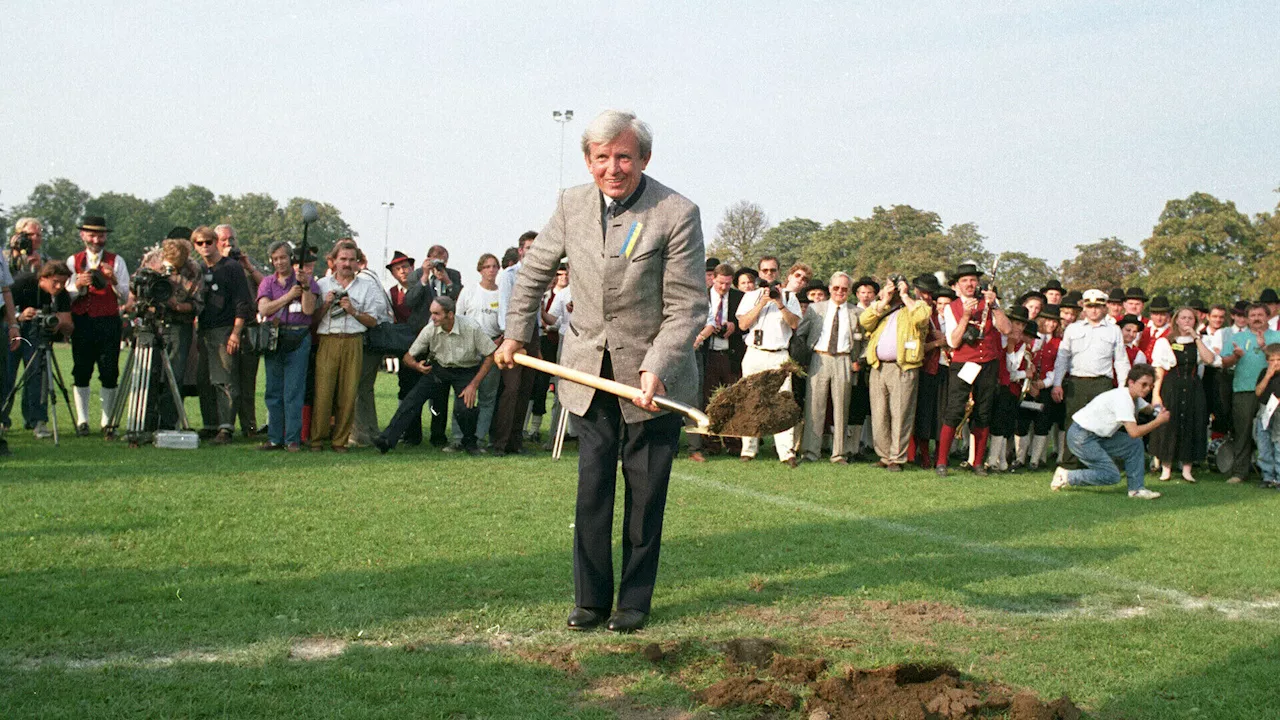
(227, 305)
(25, 254)
(247, 366)
(43, 311)
(436, 273)
(174, 314)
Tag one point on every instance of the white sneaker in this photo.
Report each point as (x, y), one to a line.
(1059, 480)
(1144, 494)
(42, 431)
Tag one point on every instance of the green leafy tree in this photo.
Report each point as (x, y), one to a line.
(1019, 272)
(190, 206)
(786, 240)
(324, 232)
(135, 224)
(739, 233)
(1102, 265)
(1267, 226)
(257, 218)
(59, 205)
(900, 239)
(1202, 248)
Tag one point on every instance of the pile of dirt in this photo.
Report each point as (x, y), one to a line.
(922, 692)
(765, 678)
(755, 406)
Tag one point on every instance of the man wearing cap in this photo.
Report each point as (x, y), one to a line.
(1090, 356)
(410, 305)
(1158, 326)
(98, 289)
(974, 323)
(897, 327)
(641, 245)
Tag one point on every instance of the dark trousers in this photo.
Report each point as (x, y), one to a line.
(408, 378)
(722, 371)
(1244, 405)
(983, 390)
(95, 341)
(550, 346)
(517, 388)
(439, 380)
(647, 450)
(247, 381)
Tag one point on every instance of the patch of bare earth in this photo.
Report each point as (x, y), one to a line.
(317, 648)
(561, 658)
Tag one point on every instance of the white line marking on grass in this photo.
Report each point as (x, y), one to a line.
(1231, 609)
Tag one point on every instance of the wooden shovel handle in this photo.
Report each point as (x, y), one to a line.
(612, 387)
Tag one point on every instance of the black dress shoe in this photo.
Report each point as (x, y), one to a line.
(585, 618)
(381, 443)
(627, 621)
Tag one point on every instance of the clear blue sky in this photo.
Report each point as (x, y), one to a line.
(1047, 124)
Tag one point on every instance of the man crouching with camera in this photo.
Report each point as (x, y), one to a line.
(451, 352)
(43, 310)
(973, 324)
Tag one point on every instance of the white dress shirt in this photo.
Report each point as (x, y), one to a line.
(1089, 350)
(775, 332)
(843, 343)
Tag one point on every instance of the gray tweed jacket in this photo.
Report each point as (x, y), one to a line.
(639, 289)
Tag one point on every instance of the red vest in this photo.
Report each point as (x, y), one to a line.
(92, 301)
(988, 348)
(1147, 340)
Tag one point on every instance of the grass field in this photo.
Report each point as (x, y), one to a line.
(225, 582)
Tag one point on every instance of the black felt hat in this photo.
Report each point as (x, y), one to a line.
(1135, 293)
(1053, 285)
(927, 282)
(1130, 319)
(712, 262)
(1240, 308)
(966, 269)
(866, 280)
(1198, 305)
(1116, 295)
(180, 232)
(946, 292)
(1018, 313)
(1050, 312)
(1269, 296)
(95, 223)
(1070, 300)
(1159, 304)
(398, 257)
(1024, 297)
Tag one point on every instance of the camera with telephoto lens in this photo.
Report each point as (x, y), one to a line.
(151, 287)
(337, 310)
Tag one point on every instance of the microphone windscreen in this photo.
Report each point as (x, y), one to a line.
(309, 214)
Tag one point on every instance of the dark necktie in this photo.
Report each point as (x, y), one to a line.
(833, 343)
(720, 318)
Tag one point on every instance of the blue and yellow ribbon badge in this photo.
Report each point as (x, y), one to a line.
(633, 238)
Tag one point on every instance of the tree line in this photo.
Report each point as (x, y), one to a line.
(1200, 248)
(137, 224)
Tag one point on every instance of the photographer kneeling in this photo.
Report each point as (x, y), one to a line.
(455, 353)
(44, 311)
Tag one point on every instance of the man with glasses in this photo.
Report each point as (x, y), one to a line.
(828, 329)
(227, 305)
(770, 314)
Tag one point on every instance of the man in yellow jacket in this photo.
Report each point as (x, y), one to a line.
(898, 325)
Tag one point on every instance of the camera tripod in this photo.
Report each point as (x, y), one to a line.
(44, 362)
(133, 404)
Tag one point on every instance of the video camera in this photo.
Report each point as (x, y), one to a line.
(151, 288)
(47, 321)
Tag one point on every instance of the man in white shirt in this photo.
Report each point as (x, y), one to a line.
(352, 304)
(479, 303)
(1093, 437)
(770, 314)
(1091, 354)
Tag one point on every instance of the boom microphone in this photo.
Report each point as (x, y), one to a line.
(309, 214)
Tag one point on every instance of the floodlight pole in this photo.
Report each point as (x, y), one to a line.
(386, 237)
(562, 117)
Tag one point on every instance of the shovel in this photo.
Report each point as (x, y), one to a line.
(613, 387)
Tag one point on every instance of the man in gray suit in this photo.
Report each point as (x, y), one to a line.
(641, 246)
(830, 328)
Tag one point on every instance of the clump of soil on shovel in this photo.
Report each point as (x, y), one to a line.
(755, 406)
